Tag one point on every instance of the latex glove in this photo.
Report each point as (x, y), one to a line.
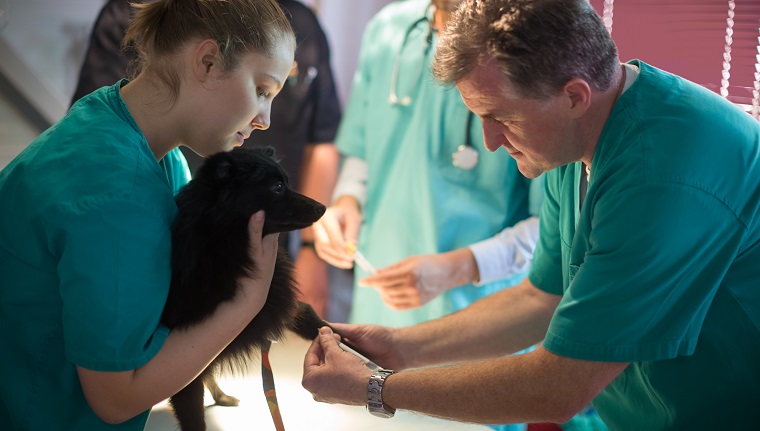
(414, 281)
(338, 227)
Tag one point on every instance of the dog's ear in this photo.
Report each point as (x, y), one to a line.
(268, 151)
(225, 169)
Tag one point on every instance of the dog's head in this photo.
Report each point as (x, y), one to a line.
(243, 181)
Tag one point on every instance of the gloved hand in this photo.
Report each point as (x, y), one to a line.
(338, 227)
(414, 281)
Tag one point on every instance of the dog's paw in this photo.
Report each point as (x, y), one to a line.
(227, 401)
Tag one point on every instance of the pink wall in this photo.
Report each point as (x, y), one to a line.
(687, 37)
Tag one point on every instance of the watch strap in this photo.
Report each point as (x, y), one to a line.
(375, 404)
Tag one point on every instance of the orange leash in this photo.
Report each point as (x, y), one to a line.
(269, 390)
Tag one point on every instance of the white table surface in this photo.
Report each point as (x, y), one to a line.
(298, 409)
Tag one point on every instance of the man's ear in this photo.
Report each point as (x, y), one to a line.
(206, 63)
(578, 96)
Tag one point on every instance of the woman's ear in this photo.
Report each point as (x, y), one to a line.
(578, 95)
(206, 61)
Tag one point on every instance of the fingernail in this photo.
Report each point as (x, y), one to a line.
(259, 216)
(325, 330)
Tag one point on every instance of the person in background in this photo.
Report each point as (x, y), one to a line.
(305, 118)
(414, 189)
(85, 234)
(644, 283)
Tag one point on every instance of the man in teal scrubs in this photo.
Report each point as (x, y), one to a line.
(645, 284)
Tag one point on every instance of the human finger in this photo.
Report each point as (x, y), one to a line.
(334, 257)
(256, 229)
(330, 241)
(314, 356)
(330, 223)
(352, 223)
(383, 280)
(403, 301)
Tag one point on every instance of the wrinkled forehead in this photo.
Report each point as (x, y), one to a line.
(486, 84)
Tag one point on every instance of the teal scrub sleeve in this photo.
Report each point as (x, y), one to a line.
(177, 170)
(656, 254)
(114, 274)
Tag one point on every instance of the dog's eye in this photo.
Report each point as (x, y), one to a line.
(278, 188)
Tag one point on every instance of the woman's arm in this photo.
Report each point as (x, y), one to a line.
(118, 396)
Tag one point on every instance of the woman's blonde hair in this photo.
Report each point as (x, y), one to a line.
(160, 28)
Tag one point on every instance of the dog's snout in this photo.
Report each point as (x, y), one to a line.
(320, 209)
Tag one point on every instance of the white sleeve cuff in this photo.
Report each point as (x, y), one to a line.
(508, 253)
(352, 180)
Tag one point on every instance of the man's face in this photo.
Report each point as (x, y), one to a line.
(538, 134)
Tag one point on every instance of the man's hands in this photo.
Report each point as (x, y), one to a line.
(333, 375)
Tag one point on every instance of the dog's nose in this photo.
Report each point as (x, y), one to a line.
(320, 210)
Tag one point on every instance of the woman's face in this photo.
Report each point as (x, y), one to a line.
(240, 101)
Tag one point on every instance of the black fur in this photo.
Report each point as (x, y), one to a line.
(210, 253)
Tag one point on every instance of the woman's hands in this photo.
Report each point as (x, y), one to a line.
(262, 251)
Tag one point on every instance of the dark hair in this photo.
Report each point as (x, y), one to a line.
(160, 28)
(539, 45)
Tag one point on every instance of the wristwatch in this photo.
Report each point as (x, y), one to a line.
(375, 403)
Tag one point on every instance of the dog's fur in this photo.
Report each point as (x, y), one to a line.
(210, 255)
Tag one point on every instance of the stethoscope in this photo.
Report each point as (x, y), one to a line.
(466, 156)
(393, 98)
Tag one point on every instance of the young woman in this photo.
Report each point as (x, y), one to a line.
(87, 207)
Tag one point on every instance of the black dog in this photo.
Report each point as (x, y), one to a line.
(210, 253)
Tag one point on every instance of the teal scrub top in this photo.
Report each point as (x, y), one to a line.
(85, 248)
(418, 202)
(661, 265)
